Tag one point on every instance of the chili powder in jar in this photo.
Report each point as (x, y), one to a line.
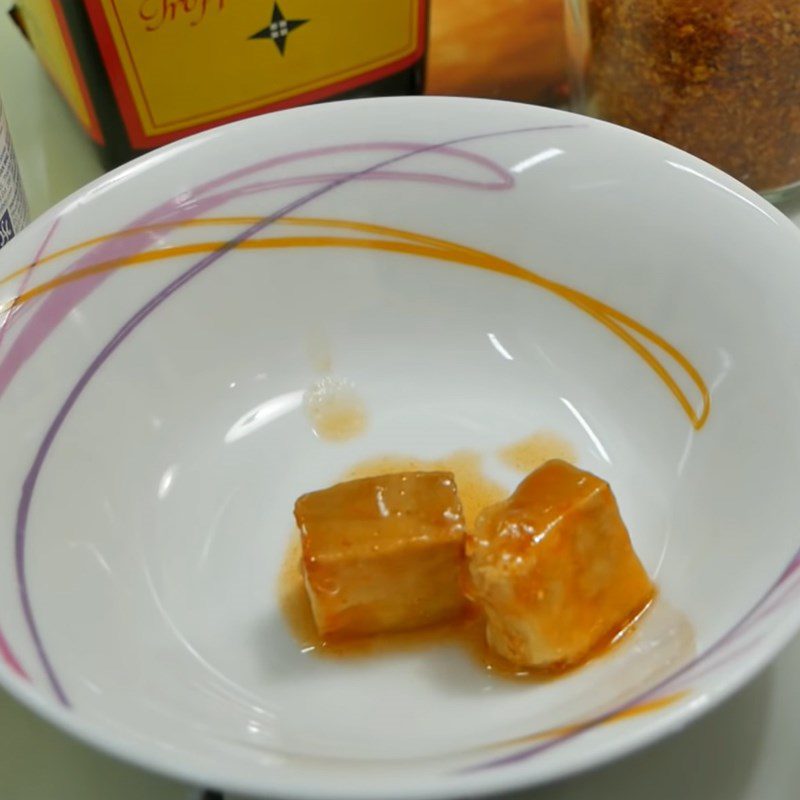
(719, 78)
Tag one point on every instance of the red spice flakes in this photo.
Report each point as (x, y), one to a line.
(719, 78)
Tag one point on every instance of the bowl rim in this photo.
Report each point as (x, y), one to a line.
(445, 784)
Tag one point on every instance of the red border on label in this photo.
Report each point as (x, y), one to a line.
(130, 116)
(94, 125)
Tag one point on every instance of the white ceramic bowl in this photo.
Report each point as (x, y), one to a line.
(154, 436)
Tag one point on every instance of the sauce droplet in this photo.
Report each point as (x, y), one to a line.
(335, 410)
(318, 348)
(529, 453)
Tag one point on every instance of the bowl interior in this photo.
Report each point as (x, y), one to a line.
(154, 473)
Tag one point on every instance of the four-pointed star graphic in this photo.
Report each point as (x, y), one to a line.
(279, 29)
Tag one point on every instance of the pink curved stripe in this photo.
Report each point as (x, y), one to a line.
(362, 147)
(792, 568)
(52, 309)
(7, 656)
(10, 318)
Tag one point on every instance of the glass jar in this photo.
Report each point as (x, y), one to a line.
(13, 207)
(719, 78)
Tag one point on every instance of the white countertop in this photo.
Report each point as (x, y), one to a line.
(748, 749)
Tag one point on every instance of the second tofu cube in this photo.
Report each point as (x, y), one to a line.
(384, 553)
(554, 570)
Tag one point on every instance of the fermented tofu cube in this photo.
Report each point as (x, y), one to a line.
(383, 553)
(554, 570)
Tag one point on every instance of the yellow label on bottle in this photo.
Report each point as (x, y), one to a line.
(184, 63)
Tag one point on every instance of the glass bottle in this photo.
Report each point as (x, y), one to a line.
(719, 78)
(13, 206)
(129, 55)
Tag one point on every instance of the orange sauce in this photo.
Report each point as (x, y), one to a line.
(466, 632)
(646, 707)
(338, 421)
(476, 492)
(297, 613)
(335, 410)
(318, 349)
(529, 453)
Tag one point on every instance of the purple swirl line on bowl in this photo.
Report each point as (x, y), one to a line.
(794, 566)
(22, 350)
(782, 593)
(29, 484)
(688, 671)
(47, 313)
(6, 653)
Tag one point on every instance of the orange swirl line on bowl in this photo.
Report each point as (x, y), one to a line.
(621, 325)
